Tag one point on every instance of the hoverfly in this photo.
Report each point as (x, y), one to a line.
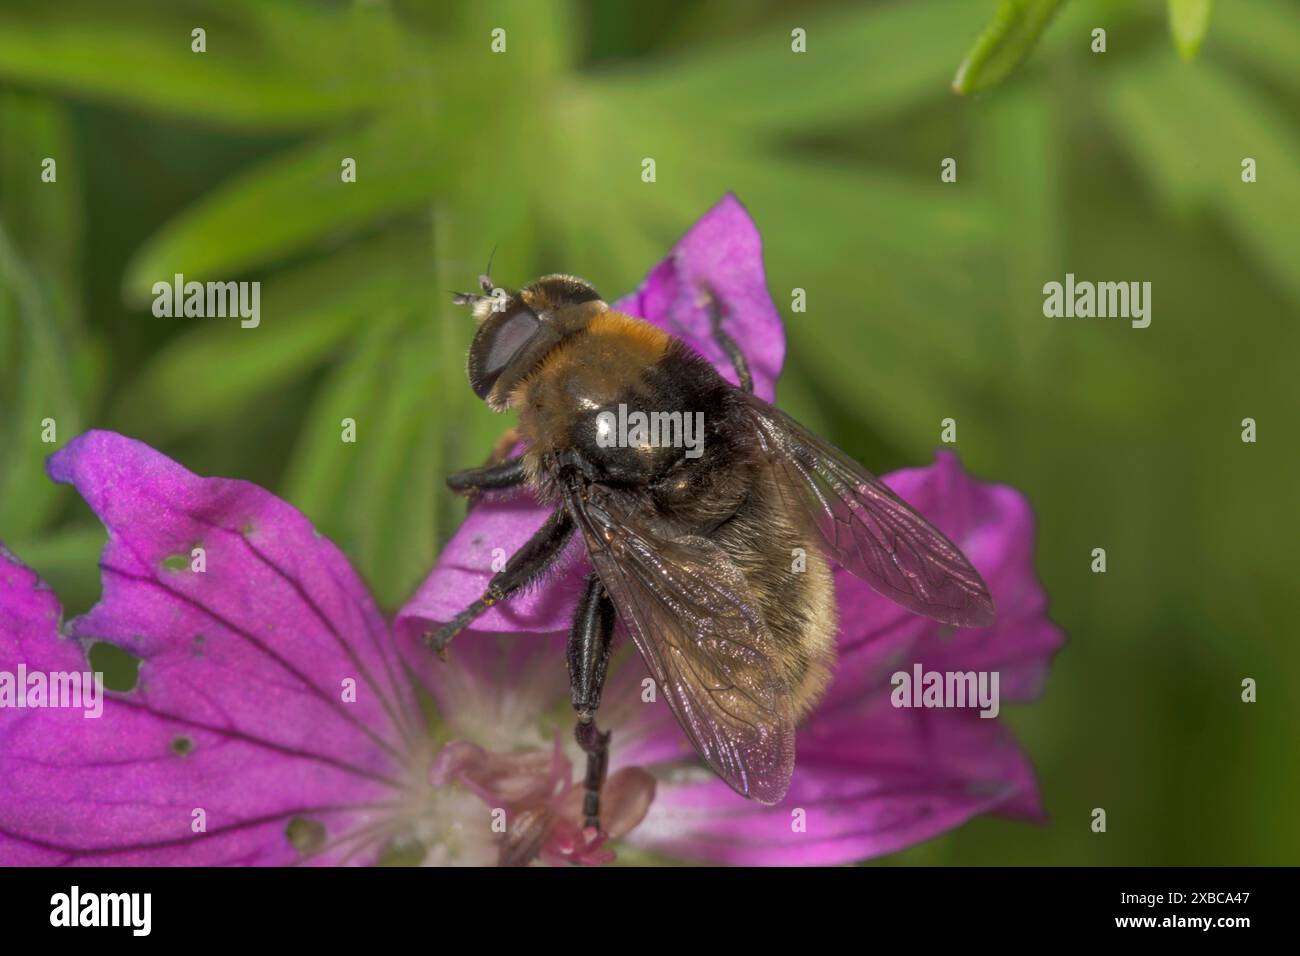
(691, 554)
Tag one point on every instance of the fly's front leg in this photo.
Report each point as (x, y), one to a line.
(588, 659)
(525, 566)
(500, 471)
(474, 481)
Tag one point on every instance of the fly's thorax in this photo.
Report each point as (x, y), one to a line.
(623, 396)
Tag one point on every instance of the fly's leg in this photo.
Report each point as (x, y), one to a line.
(499, 471)
(524, 567)
(588, 658)
(729, 346)
(473, 481)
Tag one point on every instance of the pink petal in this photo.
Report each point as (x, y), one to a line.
(243, 665)
(867, 781)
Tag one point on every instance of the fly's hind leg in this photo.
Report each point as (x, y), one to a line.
(588, 658)
(729, 346)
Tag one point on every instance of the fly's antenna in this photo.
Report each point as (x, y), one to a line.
(485, 283)
(485, 280)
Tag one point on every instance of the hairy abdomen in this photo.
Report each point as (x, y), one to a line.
(798, 605)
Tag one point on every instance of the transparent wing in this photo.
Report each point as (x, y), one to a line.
(870, 530)
(689, 610)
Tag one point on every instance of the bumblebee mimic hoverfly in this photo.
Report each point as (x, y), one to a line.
(691, 553)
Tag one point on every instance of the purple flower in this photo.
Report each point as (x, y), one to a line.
(275, 719)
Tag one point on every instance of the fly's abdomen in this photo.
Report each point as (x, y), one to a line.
(791, 580)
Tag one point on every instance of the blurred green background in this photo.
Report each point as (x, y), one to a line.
(924, 302)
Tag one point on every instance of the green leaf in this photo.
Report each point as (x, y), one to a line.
(290, 202)
(321, 462)
(38, 392)
(399, 476)
(216, 370)
(861, 63)
(1025, 201)
(1263, 35)
(47, 369)
(1159, 111)
(1004, 44)
(266, 65)
(377, 497)
(1188, 21)
(44, 219)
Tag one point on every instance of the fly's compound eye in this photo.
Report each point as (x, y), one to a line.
(499, 339)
